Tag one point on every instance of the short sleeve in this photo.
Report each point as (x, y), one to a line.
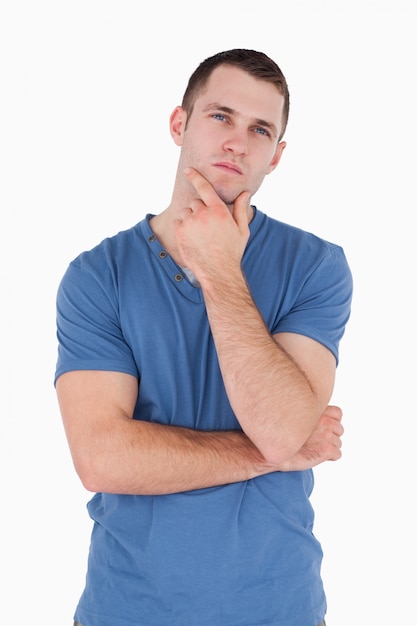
(322, 307)
(88, 322)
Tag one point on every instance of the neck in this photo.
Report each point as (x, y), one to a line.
(161, 225)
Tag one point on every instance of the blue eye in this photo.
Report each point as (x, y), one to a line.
(262, 131)
(219, 116)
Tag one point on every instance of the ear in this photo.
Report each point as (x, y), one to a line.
(277, 156)
(177, 124)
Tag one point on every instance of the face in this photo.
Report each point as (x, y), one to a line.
(231, 137)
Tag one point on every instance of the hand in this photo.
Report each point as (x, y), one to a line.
(324, 443)
(210, 237)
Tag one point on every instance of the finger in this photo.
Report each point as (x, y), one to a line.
(202, 187)
(337, 429)
(333, 425)
(240, 210)
(185, 212)
(333, 411)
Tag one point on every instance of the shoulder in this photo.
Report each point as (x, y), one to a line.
(288, 244)
(95, 273)
(111, 249)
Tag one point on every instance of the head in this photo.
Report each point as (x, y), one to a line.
(257, 64)
(230, 124)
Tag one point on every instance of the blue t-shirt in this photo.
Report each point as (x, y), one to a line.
(242, 554)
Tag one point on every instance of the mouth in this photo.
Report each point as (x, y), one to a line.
(228, 166)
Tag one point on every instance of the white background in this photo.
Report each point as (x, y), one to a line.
(86, 91)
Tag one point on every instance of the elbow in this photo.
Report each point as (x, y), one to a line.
(278, 450)
(91, 474)
(90, 483)
(281, 442)
(276, 456)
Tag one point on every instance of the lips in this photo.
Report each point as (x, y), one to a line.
(228, 167)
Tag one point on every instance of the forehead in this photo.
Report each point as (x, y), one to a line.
(248, 96)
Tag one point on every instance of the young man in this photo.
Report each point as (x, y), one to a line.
(197, 357)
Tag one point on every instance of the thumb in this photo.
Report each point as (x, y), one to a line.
(241, 210)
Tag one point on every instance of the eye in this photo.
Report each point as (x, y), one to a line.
(262, 131)
(219, 116)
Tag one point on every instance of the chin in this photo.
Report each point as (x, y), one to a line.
(226, 195)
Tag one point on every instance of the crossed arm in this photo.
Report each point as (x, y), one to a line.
(279, 386)
(114, 453)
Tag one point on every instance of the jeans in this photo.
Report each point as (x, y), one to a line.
(323, 623)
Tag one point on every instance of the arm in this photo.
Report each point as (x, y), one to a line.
(324, 443)
(114, 453)
(278, 386)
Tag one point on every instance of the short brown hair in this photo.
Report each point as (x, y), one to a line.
(255, 63)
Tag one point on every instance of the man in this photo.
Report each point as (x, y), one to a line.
(216, 328)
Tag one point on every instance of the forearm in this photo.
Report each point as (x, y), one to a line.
(143, 458)
(271, 397)
(114, 453)
(146, 458)
(277, 391)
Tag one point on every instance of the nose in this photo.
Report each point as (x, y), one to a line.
(236, 142)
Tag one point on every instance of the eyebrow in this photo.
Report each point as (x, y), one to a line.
(214, 106)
